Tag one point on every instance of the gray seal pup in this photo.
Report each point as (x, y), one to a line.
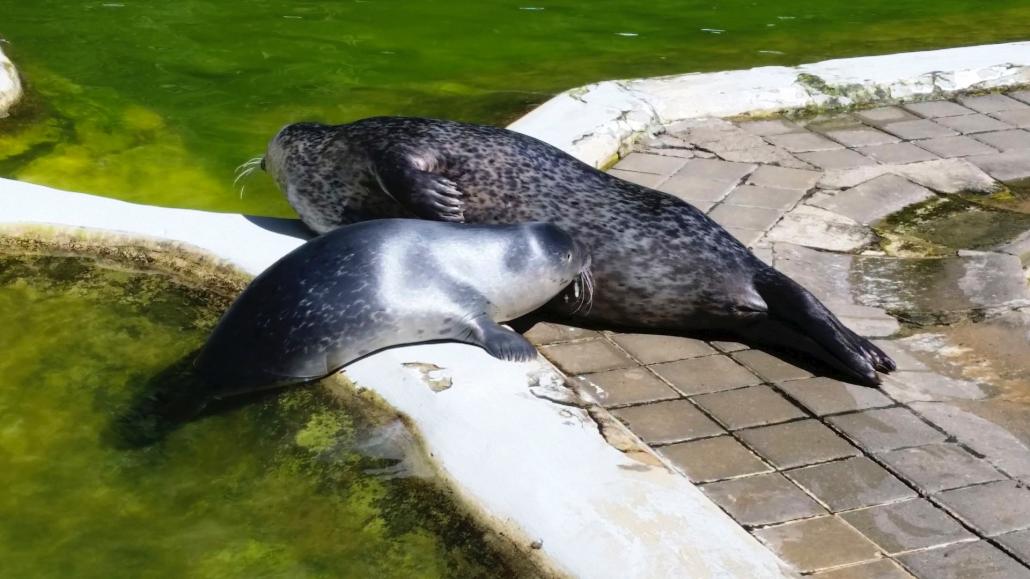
(658, 262)
(362, 288)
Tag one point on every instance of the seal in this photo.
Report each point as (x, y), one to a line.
(385, 283)
(658, 262)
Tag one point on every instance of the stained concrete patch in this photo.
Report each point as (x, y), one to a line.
(821, 229)
(875, 199)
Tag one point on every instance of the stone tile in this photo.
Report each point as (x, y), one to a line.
(992, 103)
(1014, 140)
(747, 407)
(1011, 166)
(784, 178)
(921, 129)
(984, 437)
(875, 199)
(1020, 118)
(665, 422)
(977, 560)
(747, 237)
(711, 459)
(862, 137)
(959, 146)
(884, 115)
(897, 153)
(729, 346)
(879, 569)
(740, 217)
(851, 484)
(629, 386)
(908, 525)
(769, 367)
(839, 159)
(937, 467)
(816, 227)
(586, 357)
(770, 127)
(818, 543)
(655, 348)
(646, 179)
(717, 170)
(967, 124)
(762, 500)
(1020, 95)
(886, 429)
(803, 142)
(993, 509)
(546, 333)
(822, 396)
(707, 374)
(766, 197)
(1018, 544)
(648, 163)
(696, 190)
(797, 443)
(934, 109)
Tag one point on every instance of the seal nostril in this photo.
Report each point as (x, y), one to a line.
(262, 163)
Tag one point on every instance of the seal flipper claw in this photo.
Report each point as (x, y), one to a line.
(500, 342)
(427, 194)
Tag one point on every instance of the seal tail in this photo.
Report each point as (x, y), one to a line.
(800, 321)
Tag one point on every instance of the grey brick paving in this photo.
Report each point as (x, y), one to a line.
(655, 348)
(747, 407)
(697, 190)
(769, 367)
(649, 163)
(666, 422)
(803, 142)
(967, 124)
(588, 356)
(886, 429)
(741, 217)
(630, 386)
(850, 484)
(818, 543)
(839, 159)
(898, 153)
(862, 137)
(977, 560)
(934, 109)
(717, 170)
(993, 508)
(712, 459)
(1019, 118)
(772, 127)
(991, 103)
(880, 569)
(921, 129)
(797, 443)
(959, 146)
(762, 499)
(937, 467)
(908, 525)
(545, 333)
(884, 115)
(707, 374)
(875, 199)
(651, 180)
(766, 197)
(822, 396)
(1010, 166)
(1012, 140)
(1018, 544)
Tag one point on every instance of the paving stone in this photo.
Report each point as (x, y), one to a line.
(741, 217)
(803, 142)
(716, 458)
(880, 569)
(1018, 544)
(747, 407)
(993, 508)
(762, 499)
(1011, 166)
(967, 124)
(819, 228)
(822, 396)
(696, 190)
(984, 437)
(546, 333)
(766, 197)
(948, 176)
(850, 484)
(977, 560)
(784, 178)
(729, 346)
(797, 443)
(770, 127)
(817, 543)
(655, 348)
(914, 524)
(937, 467)
(875, 199)
(586, 357)
(763, 153)
(1013, 140)
(1020, 118)
(934, 109)
(665, 422)
(992, 103)
(921, 129)
(959, 146)
(884, 115)
(647, 163)
(769, 367)
(906, 386)
(1020, 95)
(629, 386)
(747, 237)
(707, 374)
(839, 159)
(886, 429)
(717, 170)
(823, 273)
(897, 153)
(862, 137)
(646, 179)
(866, 321)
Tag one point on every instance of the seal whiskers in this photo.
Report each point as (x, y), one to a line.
(246, 169)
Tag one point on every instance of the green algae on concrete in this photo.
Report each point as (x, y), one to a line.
(275, 488)
(943, 225)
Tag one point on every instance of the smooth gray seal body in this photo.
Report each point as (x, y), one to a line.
(658, 262)
(373, 285)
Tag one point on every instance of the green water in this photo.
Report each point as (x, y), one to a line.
(277, 488)
(157, 101)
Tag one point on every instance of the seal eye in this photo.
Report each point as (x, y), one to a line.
(568, 256)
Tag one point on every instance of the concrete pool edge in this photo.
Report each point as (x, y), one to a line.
(598, 122)
(10, 85)
(506, 435)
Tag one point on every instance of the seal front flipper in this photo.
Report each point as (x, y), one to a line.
(409, 179)
(498, 341)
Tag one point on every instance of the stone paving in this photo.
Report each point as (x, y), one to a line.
(844, 481)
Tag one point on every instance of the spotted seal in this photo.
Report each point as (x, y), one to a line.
(384, 283)
(659, 263)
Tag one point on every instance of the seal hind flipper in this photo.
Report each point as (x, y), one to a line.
(409, 179)
(795, 307)
(500, 342)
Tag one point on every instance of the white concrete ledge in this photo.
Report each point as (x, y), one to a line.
(10, 85)
(538, 468)
(598, 121)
